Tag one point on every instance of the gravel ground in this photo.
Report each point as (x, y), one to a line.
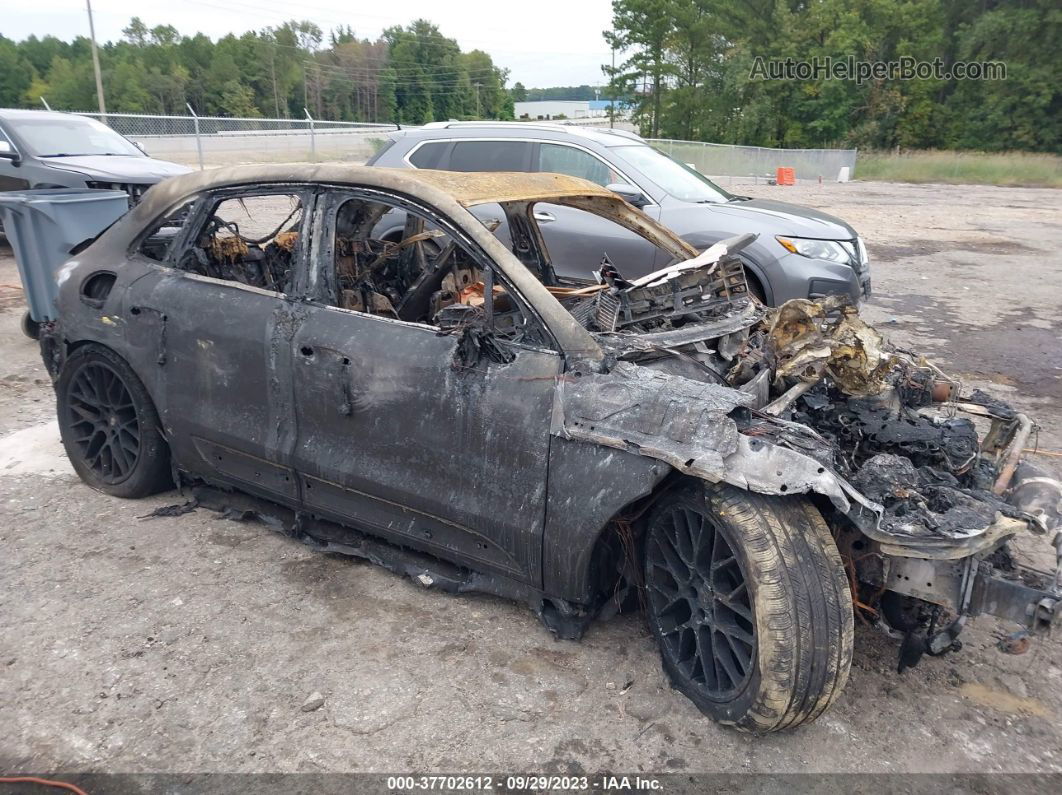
(193, 643)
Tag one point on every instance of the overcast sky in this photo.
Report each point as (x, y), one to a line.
(542, 42)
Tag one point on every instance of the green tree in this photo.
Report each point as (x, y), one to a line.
(238, 100)
(70, 87)
(16, 74)
(644, 27)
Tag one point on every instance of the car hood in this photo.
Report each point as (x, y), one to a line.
(111, 168)
(790, 219)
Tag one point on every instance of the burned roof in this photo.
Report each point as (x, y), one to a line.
(472, 188)
(466, 188)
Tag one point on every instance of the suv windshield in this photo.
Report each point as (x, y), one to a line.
(52, 136)
(677, 179)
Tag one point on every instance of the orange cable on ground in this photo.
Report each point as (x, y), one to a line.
(44, 782)
(1042, 452)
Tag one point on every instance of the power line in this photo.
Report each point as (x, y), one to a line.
(457, 78)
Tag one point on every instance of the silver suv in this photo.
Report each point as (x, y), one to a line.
(42, 149)
(800, 252)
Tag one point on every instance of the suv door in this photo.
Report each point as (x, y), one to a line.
(223, 381)
(398, 436)
(577, 240)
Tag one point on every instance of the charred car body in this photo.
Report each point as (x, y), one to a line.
(441, 405)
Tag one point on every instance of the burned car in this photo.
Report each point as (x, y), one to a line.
(758, 480)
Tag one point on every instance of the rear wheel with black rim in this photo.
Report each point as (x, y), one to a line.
(750, 605)
(109, 426)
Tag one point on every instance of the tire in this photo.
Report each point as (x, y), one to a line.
(109, 425)
(754, 584)
(755, 288)
(30, 327)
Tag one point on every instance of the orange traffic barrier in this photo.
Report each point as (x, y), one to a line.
(785, 176)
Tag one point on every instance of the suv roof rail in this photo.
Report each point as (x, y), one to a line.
(555, 126)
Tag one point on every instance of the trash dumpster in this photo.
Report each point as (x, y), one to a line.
(43, 227)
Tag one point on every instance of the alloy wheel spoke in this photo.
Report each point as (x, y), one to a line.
(103, 422)
(732, 630)
(680, 571)
(725, 655)
(704, 650)
(700, 601)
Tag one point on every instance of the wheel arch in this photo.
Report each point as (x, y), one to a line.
(757, 281)
(67, 348)
(753, 268)
(618, 548)
(595, 493)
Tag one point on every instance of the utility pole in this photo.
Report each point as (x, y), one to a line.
(273, 72)
(96, 65)
(479, 113)
(612, 83)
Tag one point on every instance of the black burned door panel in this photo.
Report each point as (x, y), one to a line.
(395, 439)
(225, 397)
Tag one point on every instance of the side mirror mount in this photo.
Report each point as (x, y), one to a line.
(8, 152)
(629, 194)
(140, 146)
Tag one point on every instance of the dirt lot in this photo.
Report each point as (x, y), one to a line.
(191, 643)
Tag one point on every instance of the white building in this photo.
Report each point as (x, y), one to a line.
(552, 108)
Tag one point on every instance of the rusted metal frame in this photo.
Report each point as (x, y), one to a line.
(1013, 453)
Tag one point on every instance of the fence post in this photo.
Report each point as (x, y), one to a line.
(313, 139)
(198, 140)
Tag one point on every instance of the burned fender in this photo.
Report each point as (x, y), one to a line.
(690, 426)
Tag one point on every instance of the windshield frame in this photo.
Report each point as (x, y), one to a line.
(713, 195)
(24, 128)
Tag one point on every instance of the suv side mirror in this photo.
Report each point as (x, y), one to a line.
(629, 194)
(8, 152)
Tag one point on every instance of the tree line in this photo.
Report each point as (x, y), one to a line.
(688, 65)
(411, 74)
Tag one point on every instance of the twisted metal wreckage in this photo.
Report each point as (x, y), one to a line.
(808, 398)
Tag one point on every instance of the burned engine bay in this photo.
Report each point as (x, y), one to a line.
(921, 483)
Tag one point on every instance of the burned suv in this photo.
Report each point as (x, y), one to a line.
(446, 407)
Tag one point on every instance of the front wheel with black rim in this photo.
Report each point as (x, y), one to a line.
(109, 426)
(750, 605)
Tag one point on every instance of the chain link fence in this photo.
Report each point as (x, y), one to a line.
(207, 141)
(759, 162)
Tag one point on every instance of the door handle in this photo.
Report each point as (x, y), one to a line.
(544, 217)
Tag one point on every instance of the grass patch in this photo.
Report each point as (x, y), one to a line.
(1023, 169)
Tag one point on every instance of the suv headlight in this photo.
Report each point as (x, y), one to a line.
(830, 250)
